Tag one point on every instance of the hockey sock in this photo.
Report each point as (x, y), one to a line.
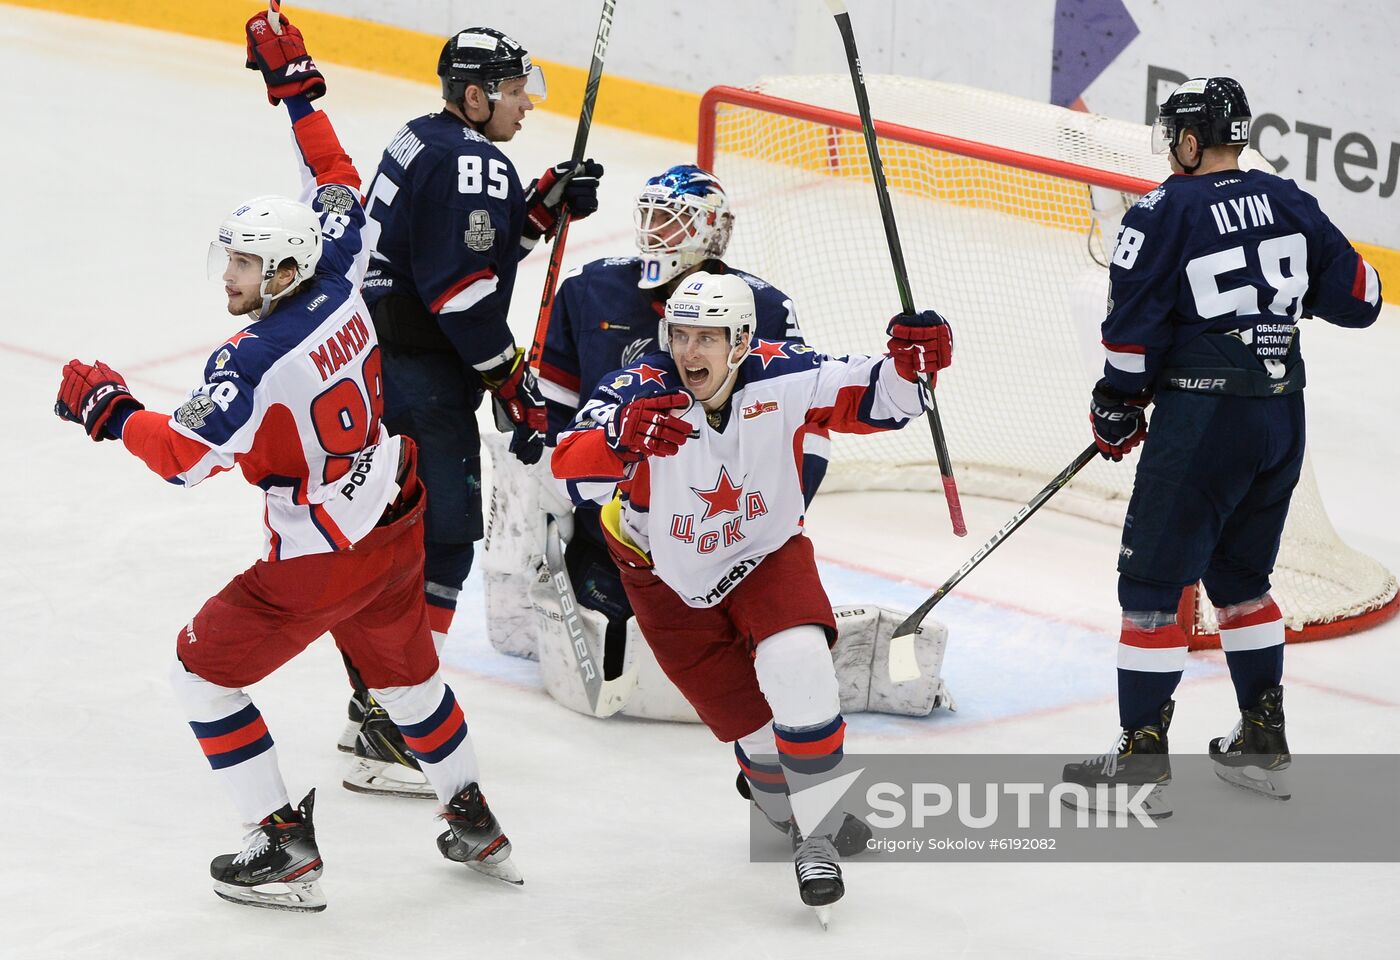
(1252, 635)
(234, 738)
(445, 569)
(757, 754)
(810, 757)
(1151, 657)
(435, 730)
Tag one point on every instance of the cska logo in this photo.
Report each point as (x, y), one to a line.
(726, 497)
(758, 408)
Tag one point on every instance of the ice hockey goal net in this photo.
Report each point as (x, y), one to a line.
(1005, 209)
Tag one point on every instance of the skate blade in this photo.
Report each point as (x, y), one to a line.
(380, 779)
(1273, 784)
(301, 896)
(346, 743)
(823, 915)
(504, 871)
(1156, 806)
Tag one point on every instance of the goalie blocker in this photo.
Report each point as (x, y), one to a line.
(528, 616)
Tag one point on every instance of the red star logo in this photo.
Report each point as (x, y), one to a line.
(647, 373)
(724, 498)
(768, 350)
(240, 336)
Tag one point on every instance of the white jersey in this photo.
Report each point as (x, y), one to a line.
(295, 400)
(708, 515)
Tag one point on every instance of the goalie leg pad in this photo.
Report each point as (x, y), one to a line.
(862, 651)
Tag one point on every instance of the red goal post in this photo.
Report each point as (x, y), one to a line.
(1007, 211)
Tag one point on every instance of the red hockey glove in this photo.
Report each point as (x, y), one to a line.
(646, 427)
(567, 183)
(1119, 420)
(280, 53)
(519, 407)
(920, 343)
(91, 395)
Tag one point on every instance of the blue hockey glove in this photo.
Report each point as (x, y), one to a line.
(1119, 420)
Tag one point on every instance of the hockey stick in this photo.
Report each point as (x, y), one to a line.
(901, 273)
(903, 664)
(585, 123)
(605, 697)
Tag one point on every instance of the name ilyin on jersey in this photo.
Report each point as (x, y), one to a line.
(1238, 252)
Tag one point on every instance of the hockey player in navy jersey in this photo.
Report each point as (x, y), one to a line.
(294, 400)
(605, 316)
(450, 221)
(1210, 274)
(694, 452)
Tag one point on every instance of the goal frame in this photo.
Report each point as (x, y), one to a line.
(1189, 609)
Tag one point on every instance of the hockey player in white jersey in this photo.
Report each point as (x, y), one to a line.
(294, 400)
(697, 453)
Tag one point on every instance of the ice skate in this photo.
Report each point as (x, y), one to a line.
(849, 841)
(474, 837)
(384, 765)
(279, 866)
(1254, 755)
(818, 874)
(1138, 758)
(355, 712)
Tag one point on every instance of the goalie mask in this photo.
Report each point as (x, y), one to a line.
(682, 219)
(274, 229)
(1214, 108)
(712, 300)
(486, 58)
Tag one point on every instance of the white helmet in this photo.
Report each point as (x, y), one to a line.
(275, 229)
(712, 300)
(682, 218)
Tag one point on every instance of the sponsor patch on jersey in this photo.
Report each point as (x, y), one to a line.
(759, 407)
(1151, 197)
(195, 412)
(337, 199)
(222, 359)
(799, 348)
(619, 261)
(480, 235)
(622, 381)
(469, 134)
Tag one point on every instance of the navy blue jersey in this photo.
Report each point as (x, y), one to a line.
(1236, 251)
(603, 321)
(447, 212)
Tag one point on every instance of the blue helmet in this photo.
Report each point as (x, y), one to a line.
(682, 219)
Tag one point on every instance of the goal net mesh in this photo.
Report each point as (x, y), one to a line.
(1006, 210)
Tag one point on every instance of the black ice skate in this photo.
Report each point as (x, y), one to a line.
(849, 841)
(279, 866)
(1255, 753)
(474, 837)
(1138, 758)
(384, 765)
(355, 712)
(818, 874)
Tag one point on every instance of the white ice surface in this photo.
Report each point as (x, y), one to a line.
(123, 149)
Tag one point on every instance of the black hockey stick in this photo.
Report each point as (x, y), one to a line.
(901, 273)
(903, 664)
(585, 123)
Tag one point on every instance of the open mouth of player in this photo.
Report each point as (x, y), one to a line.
(696, 376)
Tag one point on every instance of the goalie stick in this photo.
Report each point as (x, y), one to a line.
(585, 123)
(903, 664)
(605, 697)
(901, 272)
